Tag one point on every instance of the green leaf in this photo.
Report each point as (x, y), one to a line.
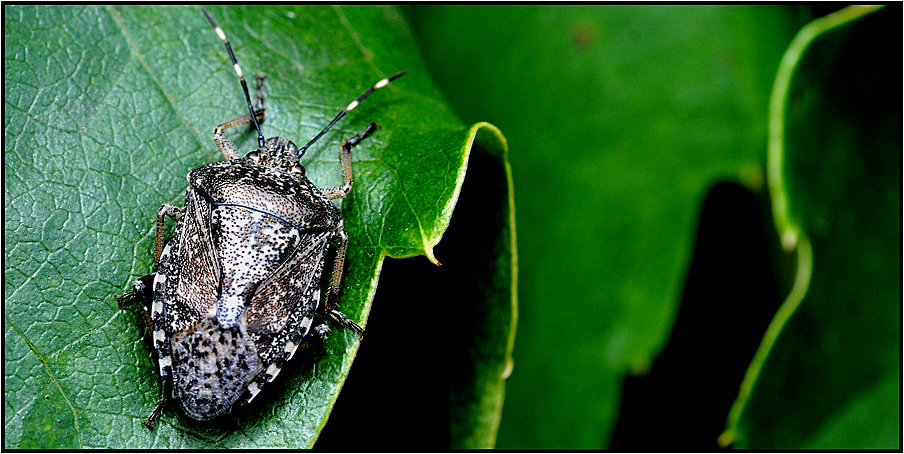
(827, 374)
(106, 111)
(619, 119)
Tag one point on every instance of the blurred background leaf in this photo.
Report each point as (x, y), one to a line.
(620, 121)
(107, 109)
(829, 372)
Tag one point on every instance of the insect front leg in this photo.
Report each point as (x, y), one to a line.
(345, 157)
(226, 147)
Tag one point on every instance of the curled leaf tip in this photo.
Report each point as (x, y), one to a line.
(428, 252)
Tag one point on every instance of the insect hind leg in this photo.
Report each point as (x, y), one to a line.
(142, 291)
(340, 318)
(151, 420)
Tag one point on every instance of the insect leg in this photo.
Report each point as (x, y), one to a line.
(141, 291)
(158, 410)
(175, 213)
(226, 147)
(345, 156)
(382, 83)
(333, 294)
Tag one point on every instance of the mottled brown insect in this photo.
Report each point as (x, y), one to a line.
(236, 290)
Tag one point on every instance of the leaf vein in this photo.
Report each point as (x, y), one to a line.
(153, 75)
(53, 378)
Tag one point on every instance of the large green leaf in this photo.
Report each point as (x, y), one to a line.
(828, 373)
(107, 109)
(619, 119)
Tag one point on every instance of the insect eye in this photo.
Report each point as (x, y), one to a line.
(297, 168)
(254, 155)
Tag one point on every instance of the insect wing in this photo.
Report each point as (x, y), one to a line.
(294, 287)
(199, 269)
(212, 365)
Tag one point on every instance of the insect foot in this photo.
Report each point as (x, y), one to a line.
(237, 289)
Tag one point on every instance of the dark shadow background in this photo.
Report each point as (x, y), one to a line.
(396, 396)
(730, 296)
(424, 330)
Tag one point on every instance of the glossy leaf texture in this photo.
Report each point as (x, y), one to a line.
(828, 374)
(106, 111)
(619, 120)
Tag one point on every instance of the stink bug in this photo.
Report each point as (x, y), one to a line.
(236, 290)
